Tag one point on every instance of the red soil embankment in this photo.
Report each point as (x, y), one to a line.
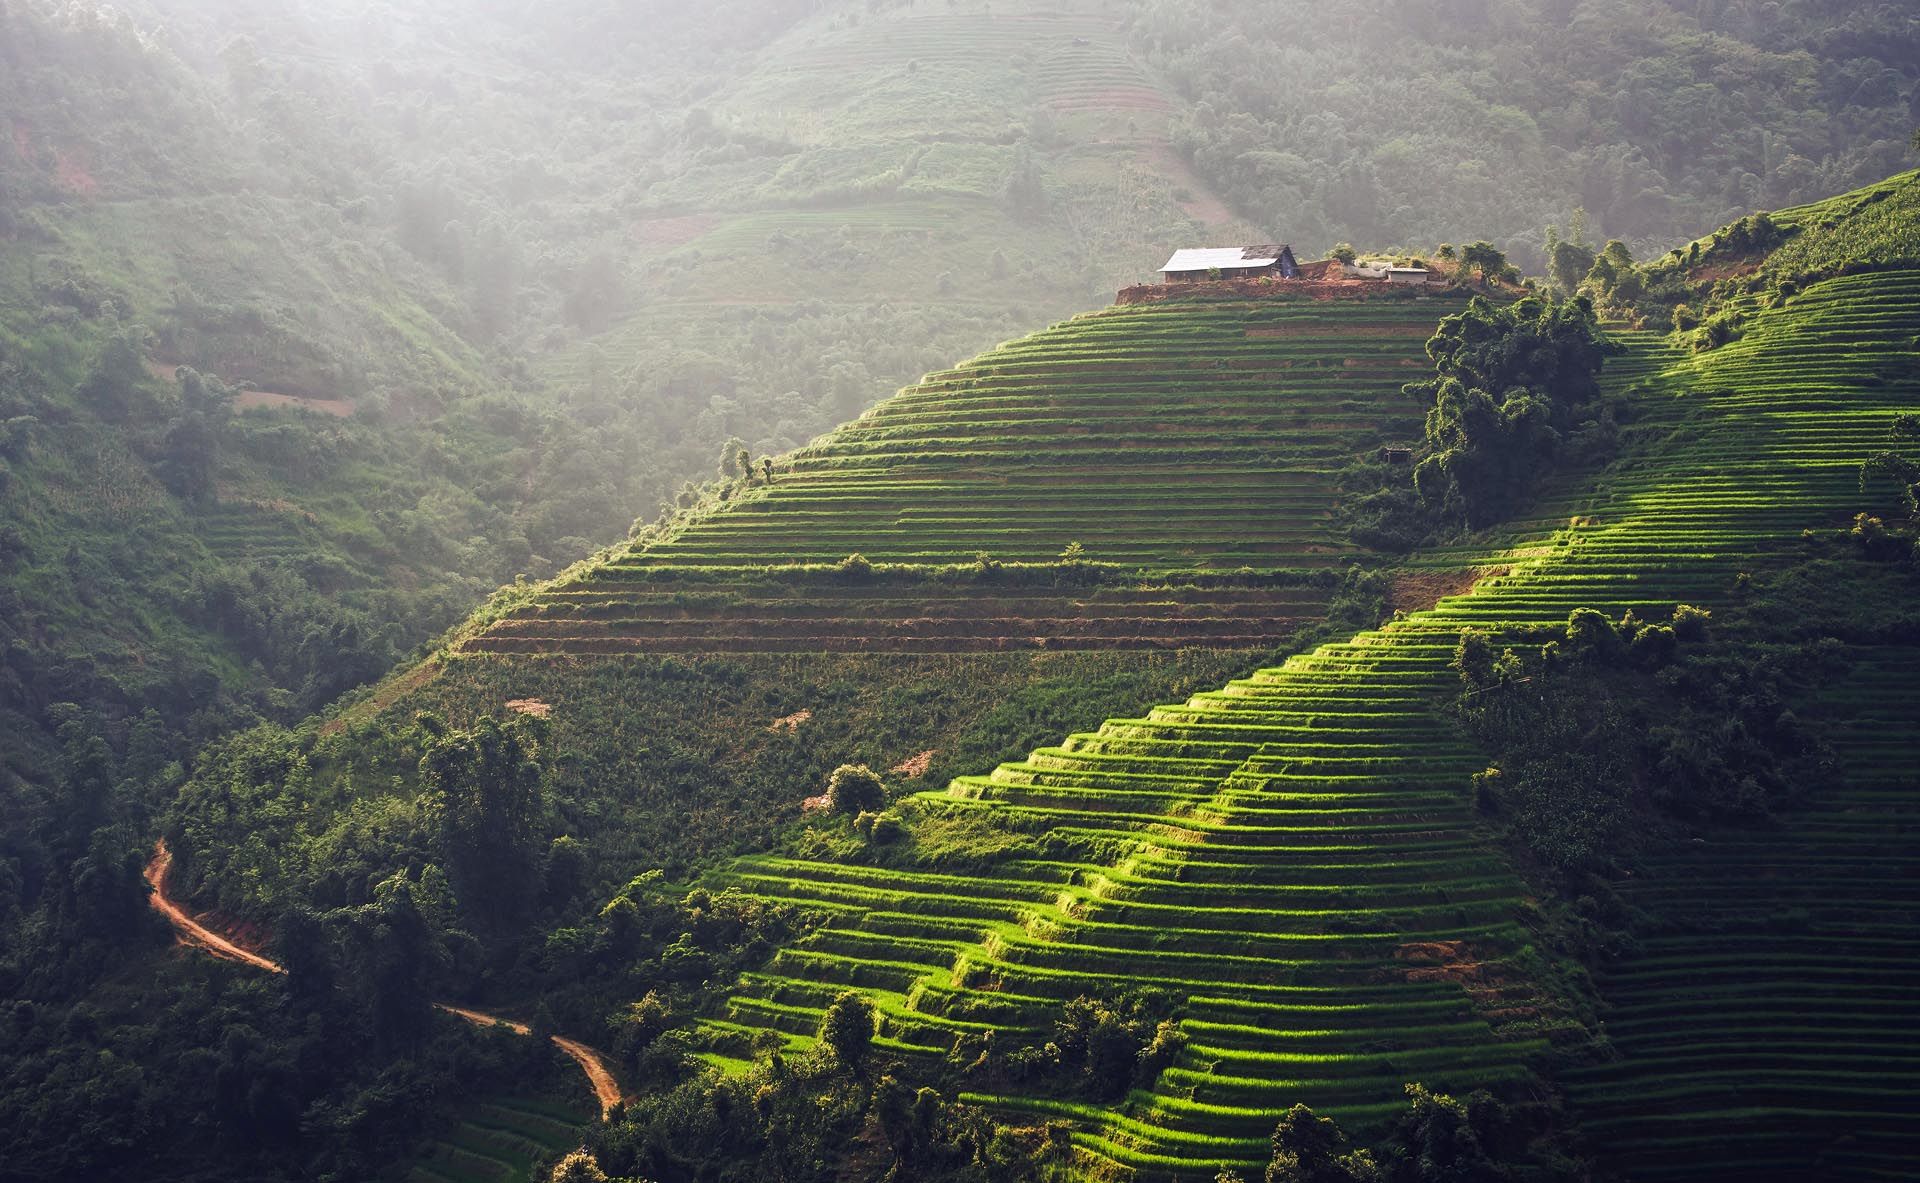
(1309, 289)
(339, 408)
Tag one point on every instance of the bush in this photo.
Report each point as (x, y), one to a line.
(846, 1030)
(1308, 1148)
(1690, 623)
(855, 789)
(881, 829)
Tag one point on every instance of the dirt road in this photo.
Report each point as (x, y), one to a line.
(189, 930)
(199, 936)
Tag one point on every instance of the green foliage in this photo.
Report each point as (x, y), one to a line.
(1516, 392)
(1570, 259)
(846, 1030)
(1615, 729)
(484, 796)
(1438, 1139)
(1106, 1046)
(807, 1120)
(1311, 1149)
(854, 788)
(1490, 261)
(1901, 469)
(1603, 107)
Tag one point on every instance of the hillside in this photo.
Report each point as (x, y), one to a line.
(1325, 880)
(1189, 451)
(553, 266)
(317, 322)
(1295, 860)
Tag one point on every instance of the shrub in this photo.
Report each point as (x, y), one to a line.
(1592, 637)
(846, 1030)
(854, 566)
(1690, 623)
(854, 789)
(881, 829)
(1473, 658)
(1308, 1148)
(887, 829)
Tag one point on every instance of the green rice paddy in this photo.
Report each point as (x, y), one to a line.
(1167, 440)
(1305, 869)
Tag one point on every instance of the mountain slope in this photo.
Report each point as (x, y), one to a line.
(1333, 773)
(1188, 450)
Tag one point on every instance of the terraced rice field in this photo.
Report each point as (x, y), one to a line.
(499, 1142)
(827, 616)
(1304, 870)
(1185, 437)
(254, 531)
(1775, 1006)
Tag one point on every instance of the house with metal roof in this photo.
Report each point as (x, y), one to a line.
(1229, 262)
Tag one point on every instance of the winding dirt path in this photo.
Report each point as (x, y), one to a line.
(197, 935)
(191, 931)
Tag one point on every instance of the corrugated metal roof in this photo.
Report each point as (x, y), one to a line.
(1226, 258)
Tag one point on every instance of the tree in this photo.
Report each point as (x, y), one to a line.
(1112, 1044)
(597, 296)
(566, 870)
(1903, 471)
(578, 1167)
(1026, 194)
(1512, 383)
(855, 788)
(847, 1030)
(907, 1117)
(484, 795)
(1308, 1148)
(1343, 252)
(1570, 259)
(394, 957)
(639, 1025)
(1443, 1140)
(301, 946)
(112, 384)
(735, 460)
(1490, 261)
(1473, 659)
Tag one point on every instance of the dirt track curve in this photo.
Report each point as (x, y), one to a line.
(192, 932)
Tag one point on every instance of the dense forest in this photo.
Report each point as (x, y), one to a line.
(1427, 121)
(321, 323)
